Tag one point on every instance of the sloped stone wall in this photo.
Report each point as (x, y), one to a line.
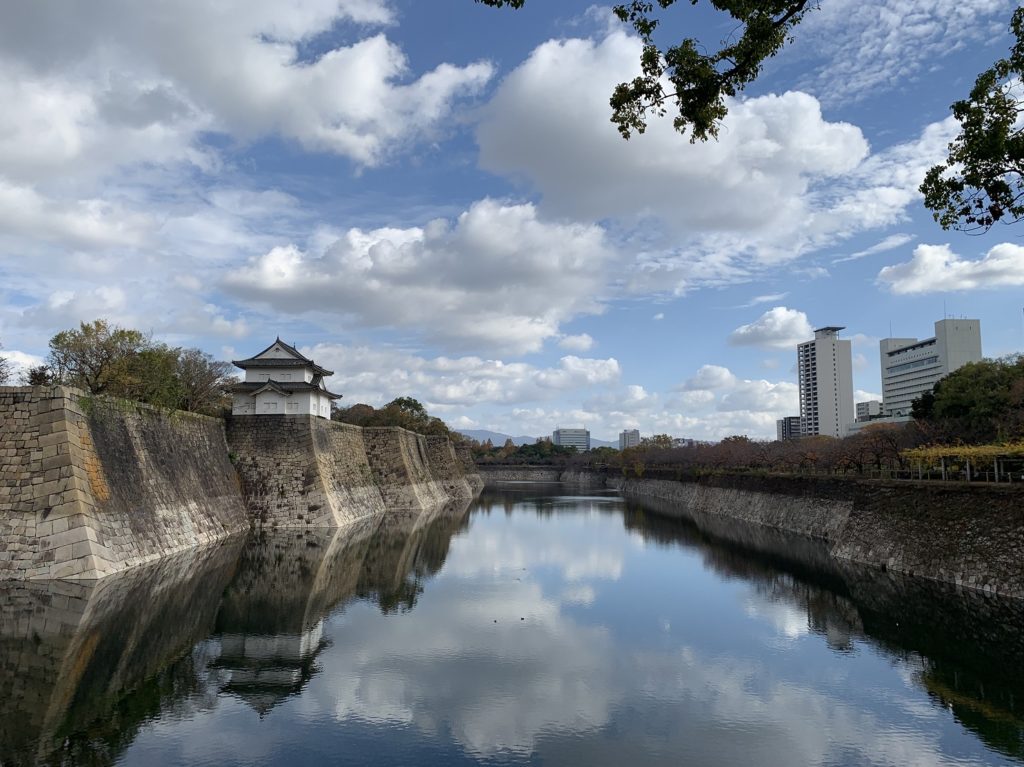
(303, 471)
(447, 469)
(970, 536)
(90, 486)
(401, 468)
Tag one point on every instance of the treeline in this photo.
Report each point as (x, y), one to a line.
(542, 453)
(406, 412)
(102, 358)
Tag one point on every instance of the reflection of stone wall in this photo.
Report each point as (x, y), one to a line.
(970, 536)
(69, 652)
(967, 644)
(90, 486)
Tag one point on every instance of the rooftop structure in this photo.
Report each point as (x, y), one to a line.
(281, 381)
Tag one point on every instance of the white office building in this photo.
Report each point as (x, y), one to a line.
(825, 373)
(868, 410)
(577, 438)
(911, 367)
(629, 438)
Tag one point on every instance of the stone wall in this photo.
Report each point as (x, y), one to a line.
(491, 474)
(401, 468)
(303, 471)
(90, 486)
(969, 536)
(447, 469)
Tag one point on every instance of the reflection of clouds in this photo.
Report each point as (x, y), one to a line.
(788, 620)
(735, 710)
(496, 665)
(579, 594)
(576, 544)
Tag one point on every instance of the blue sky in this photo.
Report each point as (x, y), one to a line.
(429, 199)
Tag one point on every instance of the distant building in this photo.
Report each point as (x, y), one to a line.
(629, 438)
(825, 379)
(577, 438)
(281, 381)
(911, 368)
(868, 410)
(787, 428)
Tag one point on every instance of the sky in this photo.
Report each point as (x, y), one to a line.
(430, 200)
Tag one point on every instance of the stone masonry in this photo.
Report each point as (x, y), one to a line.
(90, 486)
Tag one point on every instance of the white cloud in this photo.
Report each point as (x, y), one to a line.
(860, 395)
(578, 343)
(781, 181)
(659, 316)
(501, 278)
(376, 376)
(20, 362)
(548, 123)
(878, 47)
(174, 69)
(710, 377)
(891, 242)
(766, 299)
(778, 328)
(936, 268)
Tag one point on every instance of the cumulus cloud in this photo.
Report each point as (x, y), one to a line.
(234, 67)
(780, 182)
(710, 377)
(578, 343)
(375, 376)
(936, 268)
(548, 123)
(501, 278)
(777, 328)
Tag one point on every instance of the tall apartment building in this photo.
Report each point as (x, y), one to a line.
(911, 367)
(787, 428)
(577, 438)
(629, 438)
(825, 373)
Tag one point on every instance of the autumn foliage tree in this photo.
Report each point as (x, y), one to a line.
(106, 359)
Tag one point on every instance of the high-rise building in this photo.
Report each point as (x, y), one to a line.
(787, 428)
(825, 373)
(868, 410)
(577, 438)
(911, 368)
(629, 438)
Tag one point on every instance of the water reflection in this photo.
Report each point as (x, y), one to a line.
(539, 628)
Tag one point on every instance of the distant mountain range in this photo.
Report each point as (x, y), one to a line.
(498, 439)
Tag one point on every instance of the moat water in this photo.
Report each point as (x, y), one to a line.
(533, 627)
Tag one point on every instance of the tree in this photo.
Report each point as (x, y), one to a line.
(982, 180)
(5, 369)
(39, 375)
(95, 356)
(203, 381)
(697, 82)
(980, 402)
